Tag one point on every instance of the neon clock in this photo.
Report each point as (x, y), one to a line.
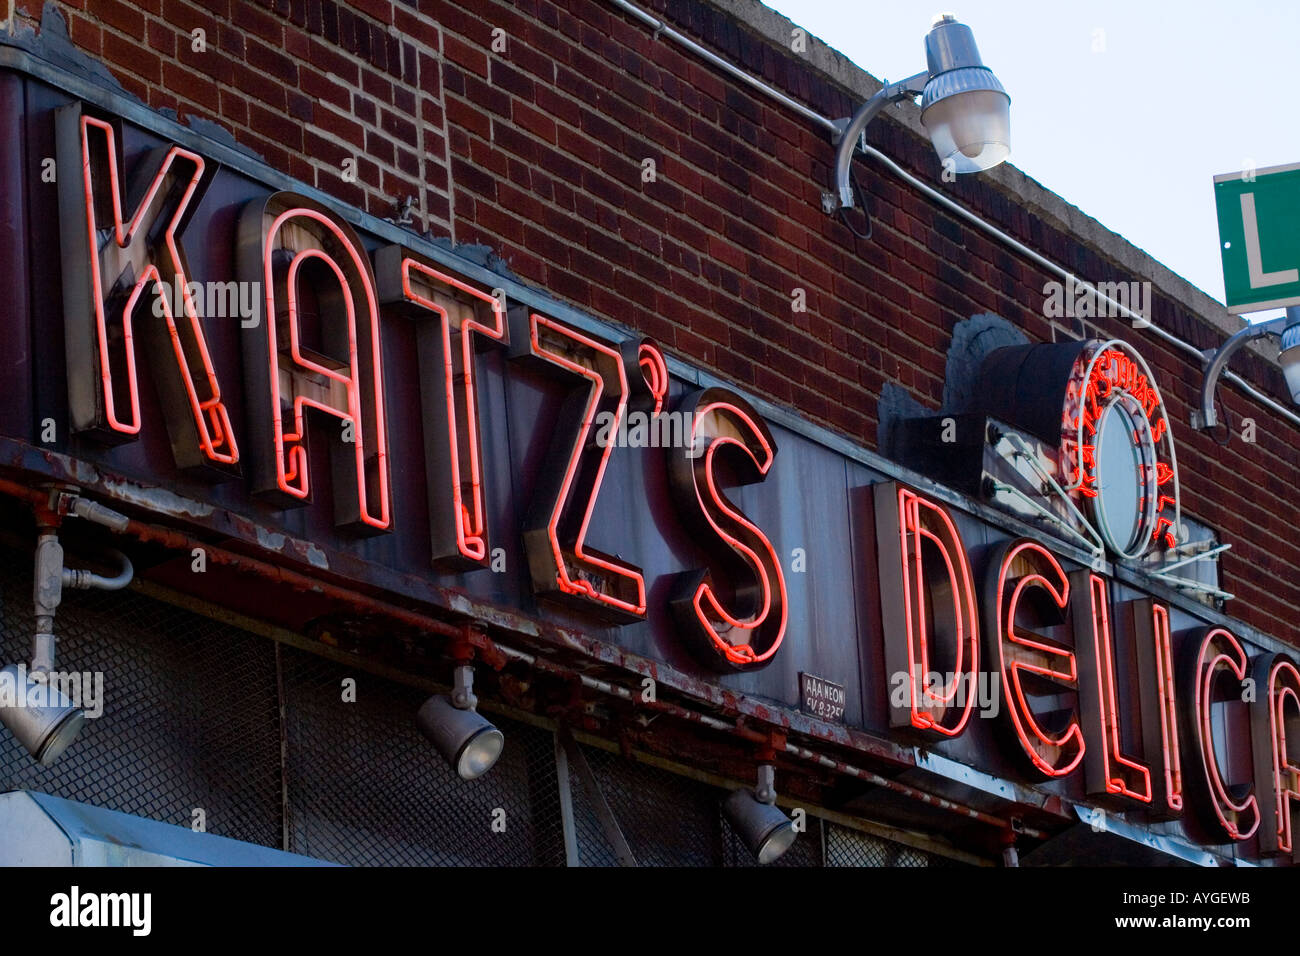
(1117, 450)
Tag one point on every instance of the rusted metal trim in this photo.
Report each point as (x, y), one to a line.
(55, 467)
(802, 753)
(777, 720)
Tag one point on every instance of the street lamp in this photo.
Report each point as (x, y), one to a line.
(963, 107)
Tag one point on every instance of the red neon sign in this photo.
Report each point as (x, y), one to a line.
(1025, 569)
(1275, 731)
(555, 535)
(744, 629)
(1235, 807)
(908, 528)
(341, 379)
(454, 453)
(734, 610)
(1160, 723)
(1107, 768)
(1112, 374)
(138, 259)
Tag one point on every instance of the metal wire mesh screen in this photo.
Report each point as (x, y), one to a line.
(189, 731)
(846, 847)
(667, 820)
(805, 851)
(203, 720)
(365, 788)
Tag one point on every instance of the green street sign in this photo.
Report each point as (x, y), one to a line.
(1259, 237)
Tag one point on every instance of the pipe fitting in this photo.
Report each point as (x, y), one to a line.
(462, 694)
(765, 792)
(48, 579)
(43, 651)
(88, 580)
(95, 512)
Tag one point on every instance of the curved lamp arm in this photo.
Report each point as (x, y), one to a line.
(1205, 417)
(852, 131)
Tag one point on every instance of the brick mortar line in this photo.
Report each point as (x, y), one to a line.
(441, 60)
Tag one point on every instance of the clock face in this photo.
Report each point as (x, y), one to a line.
(1117, 453)
(1125, 465)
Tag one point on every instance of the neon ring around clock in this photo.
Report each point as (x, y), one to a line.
(1117, 450)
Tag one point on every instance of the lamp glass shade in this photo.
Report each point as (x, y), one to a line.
(1289, 359)
(480, 753)
(779, 839)
(972, 128)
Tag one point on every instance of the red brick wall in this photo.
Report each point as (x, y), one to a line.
(537, 151)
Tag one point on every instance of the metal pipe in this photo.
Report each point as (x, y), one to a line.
(849, 141)
(848, 138)
(87, 580)
(95, 512)
(1207, 416)
(47, 593)
(1204, 554)
(1140, 321)
(660, 27)
(154, 534)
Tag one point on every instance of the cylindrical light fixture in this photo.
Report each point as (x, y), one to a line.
(963, 107)
(466, 739)
(40, 715)
(754, 816)
(1289, 357)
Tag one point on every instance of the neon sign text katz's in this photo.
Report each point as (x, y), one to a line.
(1046, 632)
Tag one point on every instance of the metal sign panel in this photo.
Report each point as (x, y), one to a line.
(398, 419)
(1259, 240)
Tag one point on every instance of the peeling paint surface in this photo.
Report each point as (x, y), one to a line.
(271, 540)
(157, 499)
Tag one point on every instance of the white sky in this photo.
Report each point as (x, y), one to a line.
(1132, 133)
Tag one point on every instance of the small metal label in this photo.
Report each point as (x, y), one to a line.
(821, 698)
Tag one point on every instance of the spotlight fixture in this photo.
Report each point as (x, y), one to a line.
(753, 814)
(466, 739)
(963, 107)
(1286, 328)
(38, 713)
(32, 707)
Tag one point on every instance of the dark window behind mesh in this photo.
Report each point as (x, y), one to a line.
(192, 721)
(667, 820)
(366, 788)
(846, 847)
